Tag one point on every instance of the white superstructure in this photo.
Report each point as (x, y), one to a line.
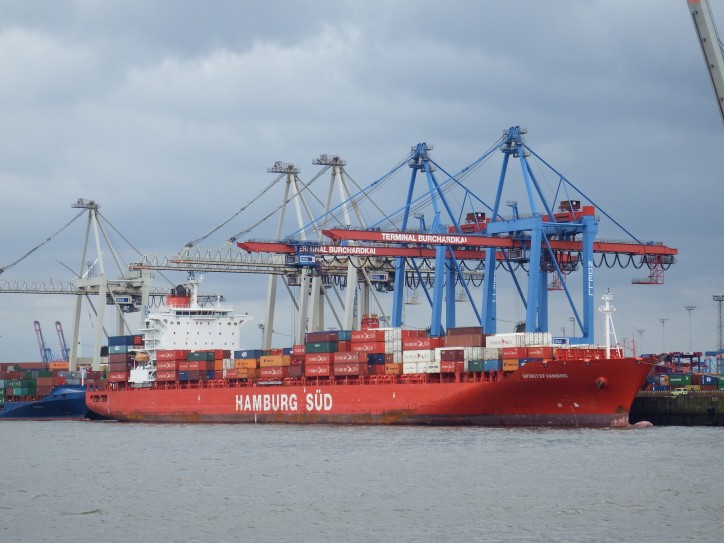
(184, 324)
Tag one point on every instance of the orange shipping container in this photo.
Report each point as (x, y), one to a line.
(63, 366)
(510, 364)
(275, 360)
(393, 369)
(246, 363)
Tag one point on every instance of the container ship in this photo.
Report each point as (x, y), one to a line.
(43, 391)
(186, 367)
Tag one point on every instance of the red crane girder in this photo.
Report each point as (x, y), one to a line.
(461, 240)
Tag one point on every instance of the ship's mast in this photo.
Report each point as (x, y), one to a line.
(607, 310)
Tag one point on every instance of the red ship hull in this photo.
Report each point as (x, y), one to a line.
(594, 393)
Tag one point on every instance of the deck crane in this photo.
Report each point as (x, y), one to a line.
(64, 350)
(711, 47)
(46, 354)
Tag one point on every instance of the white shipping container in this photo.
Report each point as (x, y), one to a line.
(412, 367)
(431, 367)
(491, 353)
(473, 353)
(421, 355)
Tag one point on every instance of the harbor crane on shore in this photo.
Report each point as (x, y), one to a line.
(541, 242)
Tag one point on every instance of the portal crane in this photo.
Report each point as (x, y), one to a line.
(64, 350)
(711, 47)
(46, 354)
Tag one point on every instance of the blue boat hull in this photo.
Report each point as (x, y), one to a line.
(64, 402)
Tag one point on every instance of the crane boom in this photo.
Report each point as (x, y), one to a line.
(710, 47)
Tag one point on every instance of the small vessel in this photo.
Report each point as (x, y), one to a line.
(35, 391)
(187, 368)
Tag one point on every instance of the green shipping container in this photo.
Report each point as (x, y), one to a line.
(474, 365)
(321, 347)
(720, 383)
(200, 355)
(677, 379)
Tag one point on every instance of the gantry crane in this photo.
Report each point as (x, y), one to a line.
(545, 240)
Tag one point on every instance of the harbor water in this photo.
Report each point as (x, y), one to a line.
(122, 482)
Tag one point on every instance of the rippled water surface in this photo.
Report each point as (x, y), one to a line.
(113, 482)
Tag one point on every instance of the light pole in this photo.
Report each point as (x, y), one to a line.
(573, 323)
(720, 329)
(690, 308)
(663, 334)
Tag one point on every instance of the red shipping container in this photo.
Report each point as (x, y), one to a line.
(513, 352)
(175, 354)
(363, 336)
(120, 366)
(420, 343)
(465, 340)
(166, 375)
(298, 349)
(138, 340)
(276, 352)
(120, 357)
(375, 369)
(540, 352)
(344, 345)
(369, 347)
(351, 356)
(448, 366)
(452, 355)
(318, 370)
(166, 365)
(295, 371)
(296, 360)
(465, 330)
(350, 369)
(117, 376)
(407, 334)
(274, 372)
(183, 365)
(318, 358)
(320, 337)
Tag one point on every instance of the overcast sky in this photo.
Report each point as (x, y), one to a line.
(168, 114)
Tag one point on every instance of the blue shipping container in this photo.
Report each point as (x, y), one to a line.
(183, 376)
(709, 380)
(248, 354)
(376, 358)
(492, 365)
(344, 335)
(120, 340)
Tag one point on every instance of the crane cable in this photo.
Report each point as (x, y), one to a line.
(269, 186)
(31, 251)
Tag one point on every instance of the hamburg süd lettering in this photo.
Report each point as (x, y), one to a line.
(285, 403)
